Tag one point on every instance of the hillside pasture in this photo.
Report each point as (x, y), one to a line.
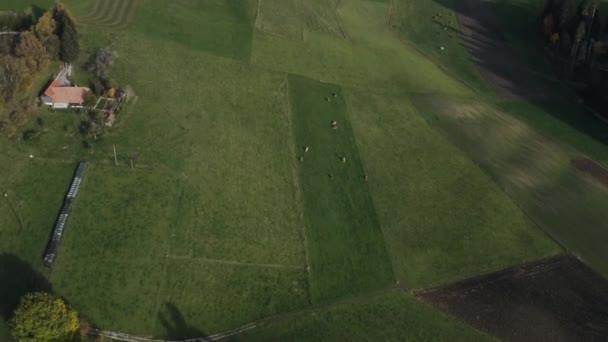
(344, 239)
(535, 171)
(443, 219)
(392, 316)
(218, 223)
(370, 57)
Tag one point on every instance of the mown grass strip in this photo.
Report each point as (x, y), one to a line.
(345, 241)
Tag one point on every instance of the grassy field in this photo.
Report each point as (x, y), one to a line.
(443, 218)
(220, 223)
(391, 317)
(534, 170)
(429, 25)
(346, 246)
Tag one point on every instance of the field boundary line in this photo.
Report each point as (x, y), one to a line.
(228, 262)
(295, 174)
(118, 336)
(257, 16)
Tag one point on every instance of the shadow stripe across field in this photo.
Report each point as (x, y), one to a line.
(346, 246)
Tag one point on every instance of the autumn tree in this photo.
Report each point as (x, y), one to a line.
(40, 317)
(45, 31)
(15, 76)
(31, 50)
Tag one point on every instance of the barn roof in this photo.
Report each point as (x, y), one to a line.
(70, 95)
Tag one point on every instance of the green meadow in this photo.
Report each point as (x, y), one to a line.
(246, 203)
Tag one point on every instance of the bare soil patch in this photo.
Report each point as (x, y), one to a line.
(491, 53)
(591, 168)
(556, 299)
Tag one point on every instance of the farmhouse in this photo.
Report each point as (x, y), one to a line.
(59, 95)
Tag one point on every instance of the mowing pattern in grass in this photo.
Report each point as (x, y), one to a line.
(443, 218)
(536, 172)
(110, 14)
(345, 242)
(391, 317)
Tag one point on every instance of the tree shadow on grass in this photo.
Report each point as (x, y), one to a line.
(518, 74)
(175, 324)
(17, 278)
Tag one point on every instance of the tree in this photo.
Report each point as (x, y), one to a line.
(68, 35)
(90, 99)
(101, 62)
(15, 76)
(567, 14)
(69, 47)
(40, 317)
(32, 51)
(45, 31)
(46, 25)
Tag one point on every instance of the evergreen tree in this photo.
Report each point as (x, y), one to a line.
(68, 35)
(70, 47)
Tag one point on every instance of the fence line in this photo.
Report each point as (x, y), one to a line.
(64, 214)
(117, 336)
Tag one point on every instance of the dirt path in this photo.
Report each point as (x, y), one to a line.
(489, 50)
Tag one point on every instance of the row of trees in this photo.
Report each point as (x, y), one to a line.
(22, 56)
(577, 33)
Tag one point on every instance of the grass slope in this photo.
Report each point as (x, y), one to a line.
(368, 56)
(429, 25)
(344, 239)
(442, 218)
(534, 170)
(208, 231)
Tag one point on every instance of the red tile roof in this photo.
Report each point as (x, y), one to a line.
(69, 95)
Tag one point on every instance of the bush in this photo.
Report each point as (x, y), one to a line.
(90, 99)
(30, 134)
(110, 83)
(40, 121)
